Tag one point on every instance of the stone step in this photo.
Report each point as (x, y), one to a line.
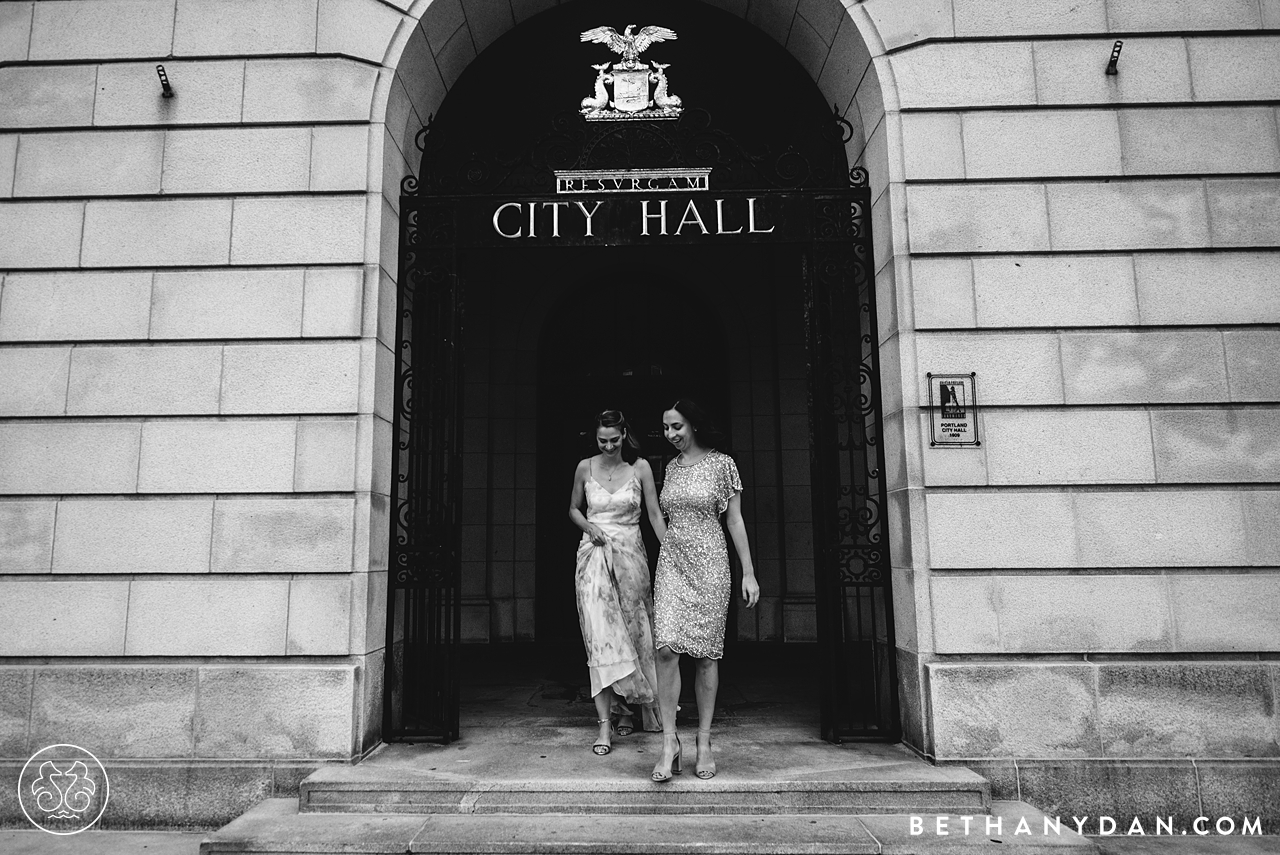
(681, 796)
(276, 827)
(493, 778)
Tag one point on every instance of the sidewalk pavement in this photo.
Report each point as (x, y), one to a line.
(34, 842)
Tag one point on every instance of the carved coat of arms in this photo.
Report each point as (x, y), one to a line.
(639, 88)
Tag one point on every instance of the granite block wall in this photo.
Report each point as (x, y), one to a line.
(197, 323)
(1096, 248)
(194, 442)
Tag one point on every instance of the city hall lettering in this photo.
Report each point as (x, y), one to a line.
(650, 218)
(671, 205)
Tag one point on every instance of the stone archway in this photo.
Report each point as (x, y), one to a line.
(860, 95)
(842, 50)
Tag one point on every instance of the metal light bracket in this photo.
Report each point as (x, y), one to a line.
(166, 89)
(1115, 57)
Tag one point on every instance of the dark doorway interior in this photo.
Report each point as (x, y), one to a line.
(543, 692)
(635, 340)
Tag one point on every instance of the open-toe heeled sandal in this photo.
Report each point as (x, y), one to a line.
(658, 777)
(709, 771)
(603, 748)
(625, 729)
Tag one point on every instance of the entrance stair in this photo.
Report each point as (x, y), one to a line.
(522, 781)
(762, 774)
(777, 791)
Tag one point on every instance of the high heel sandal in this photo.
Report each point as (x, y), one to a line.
(625, 729)
(704, 774)
(675, 766)
(603, 748)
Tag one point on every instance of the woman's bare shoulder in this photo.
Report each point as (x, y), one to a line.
(642, 466)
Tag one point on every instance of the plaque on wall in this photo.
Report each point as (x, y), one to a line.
(953, 410)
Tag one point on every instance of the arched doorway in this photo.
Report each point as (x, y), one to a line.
(778, 234)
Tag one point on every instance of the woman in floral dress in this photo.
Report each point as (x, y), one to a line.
(691, 587)
(615, 610)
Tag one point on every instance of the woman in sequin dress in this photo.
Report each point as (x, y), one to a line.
(691, 586)
(612, 577)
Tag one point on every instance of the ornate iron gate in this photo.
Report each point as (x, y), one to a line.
(424, 624)
(855, 613)
(847, 458)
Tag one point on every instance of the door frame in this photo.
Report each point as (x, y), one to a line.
(852, 566)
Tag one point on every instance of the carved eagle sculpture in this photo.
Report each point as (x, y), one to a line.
(630, 46)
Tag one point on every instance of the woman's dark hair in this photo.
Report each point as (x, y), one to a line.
(630, 444)
(709, 436)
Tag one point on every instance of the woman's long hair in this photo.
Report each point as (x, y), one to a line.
(708, 434)
(630, 444)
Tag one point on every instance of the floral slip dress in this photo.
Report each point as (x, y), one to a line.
(615, 610)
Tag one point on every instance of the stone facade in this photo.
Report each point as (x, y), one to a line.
(197, 320)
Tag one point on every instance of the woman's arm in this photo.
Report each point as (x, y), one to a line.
(645, 473)
(576, 503)
(738, 533)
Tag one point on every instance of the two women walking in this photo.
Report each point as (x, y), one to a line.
(633, 647)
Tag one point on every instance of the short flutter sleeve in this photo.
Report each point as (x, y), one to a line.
(730, 481)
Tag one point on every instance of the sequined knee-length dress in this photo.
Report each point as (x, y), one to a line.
(691, 586)
(614, 607)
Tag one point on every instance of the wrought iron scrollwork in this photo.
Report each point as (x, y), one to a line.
(847, 467)
(423, 629)
(846, 387)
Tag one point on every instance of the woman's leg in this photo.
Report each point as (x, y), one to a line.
(668, 667)
(604, 707)
(706, 684)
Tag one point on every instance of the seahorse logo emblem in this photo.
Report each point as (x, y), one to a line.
(63, 789)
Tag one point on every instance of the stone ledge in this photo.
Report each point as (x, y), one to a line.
(1181, 788)
(182, 794)
(1120, 711)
